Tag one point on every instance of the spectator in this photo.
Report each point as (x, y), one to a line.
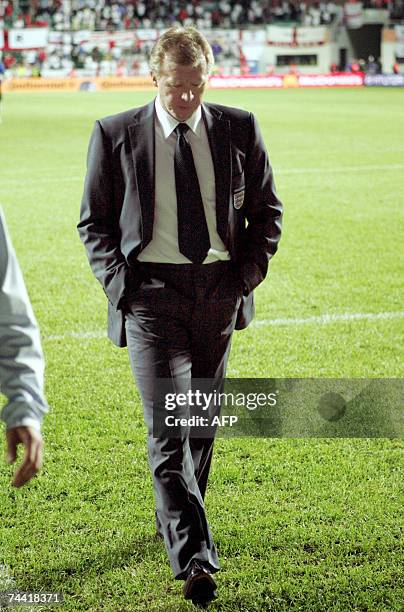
(372, 66)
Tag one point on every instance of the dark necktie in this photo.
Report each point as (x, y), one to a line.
(193, 235)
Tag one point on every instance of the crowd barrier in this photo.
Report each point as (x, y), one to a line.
(339, 79)
(384, 80)
(278, 81)
(78, 84)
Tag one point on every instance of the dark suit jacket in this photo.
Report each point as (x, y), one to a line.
(116, 221)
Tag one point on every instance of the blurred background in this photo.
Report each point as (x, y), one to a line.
(89, 38)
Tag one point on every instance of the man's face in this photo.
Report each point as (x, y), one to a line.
(181, 87)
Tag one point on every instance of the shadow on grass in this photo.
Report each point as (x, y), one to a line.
(86, 585)
(139, 550)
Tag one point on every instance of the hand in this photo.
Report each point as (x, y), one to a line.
(33, 444)
(230, 286)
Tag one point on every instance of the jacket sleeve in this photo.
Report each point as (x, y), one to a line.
(263, 212)
(21, 357)
(98, 227)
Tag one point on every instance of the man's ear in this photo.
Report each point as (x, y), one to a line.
(154, 79)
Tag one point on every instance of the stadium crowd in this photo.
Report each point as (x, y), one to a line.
(137, 15)
(68, 15)
(112, 15)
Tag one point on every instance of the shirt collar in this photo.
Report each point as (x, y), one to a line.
(168, 123)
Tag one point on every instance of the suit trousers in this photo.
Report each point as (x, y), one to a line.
(179, 325)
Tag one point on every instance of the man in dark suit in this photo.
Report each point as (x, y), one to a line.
(179, 218)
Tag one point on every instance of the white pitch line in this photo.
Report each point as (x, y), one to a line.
(40, 180)
(332, 170)
(332, 318)
(79, 335)
(278, 170)
(322, 320)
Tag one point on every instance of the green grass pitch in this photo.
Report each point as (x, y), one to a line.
(300, 524)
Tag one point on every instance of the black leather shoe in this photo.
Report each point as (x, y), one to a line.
(199, 585)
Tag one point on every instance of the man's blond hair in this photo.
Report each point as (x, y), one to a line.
(186, 46)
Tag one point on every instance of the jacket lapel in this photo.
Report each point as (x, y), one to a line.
(218, 130)
(141, 134)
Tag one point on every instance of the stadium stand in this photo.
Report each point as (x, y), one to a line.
(74, 15)
(70, 54)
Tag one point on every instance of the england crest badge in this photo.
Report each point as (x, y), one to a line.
(238, 199)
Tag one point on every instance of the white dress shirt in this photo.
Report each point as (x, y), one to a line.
(21, 358)
(163, 248)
